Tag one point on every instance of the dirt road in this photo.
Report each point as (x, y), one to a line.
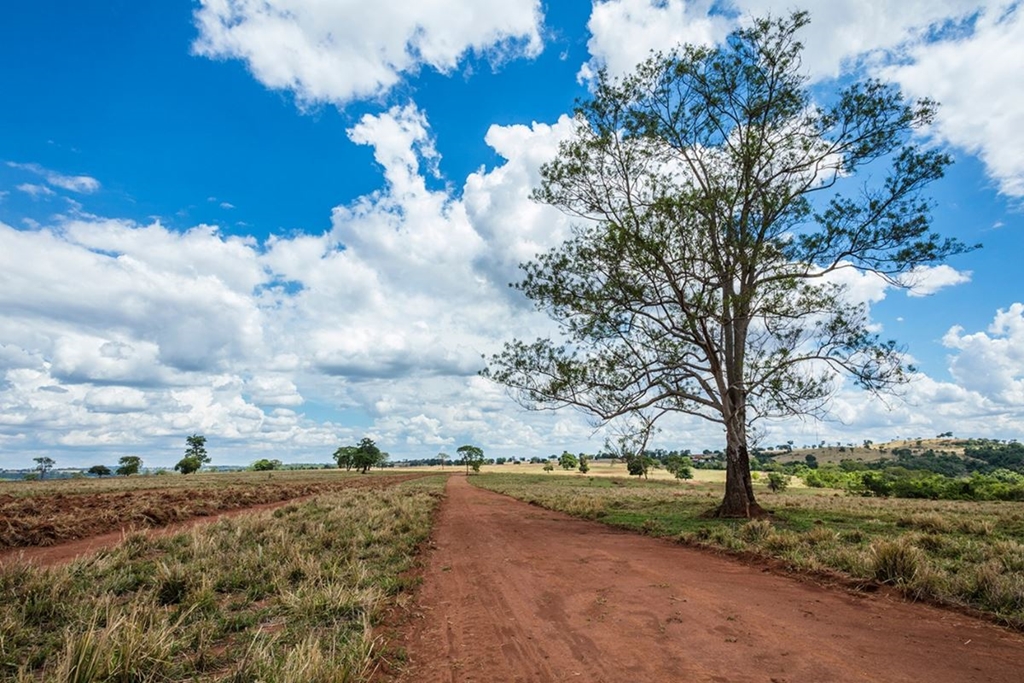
(514, 592)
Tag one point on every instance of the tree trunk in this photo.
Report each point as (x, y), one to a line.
(739, 489)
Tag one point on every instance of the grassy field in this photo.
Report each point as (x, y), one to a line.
(172, 480)
(50, 512)
(953, 552)
(287, 596)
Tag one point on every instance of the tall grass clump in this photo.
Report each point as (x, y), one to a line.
(287, 596)
(896, 562)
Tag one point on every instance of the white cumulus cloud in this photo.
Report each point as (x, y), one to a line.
(962, 53)
(991, 363)
(349, 49)
(971, 74)
(927, 280)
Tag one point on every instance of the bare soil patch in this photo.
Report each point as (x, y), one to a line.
(46, 530)
(513, 592)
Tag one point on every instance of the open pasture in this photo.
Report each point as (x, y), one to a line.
(289, 595)
(958, 553)
(50, 512)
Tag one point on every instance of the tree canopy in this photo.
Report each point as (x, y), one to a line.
(195, 455)
(129, 465)
(367, 455)
(266, 465)
(99, 471)
(43, 465)
(716, 205)
(472, 457)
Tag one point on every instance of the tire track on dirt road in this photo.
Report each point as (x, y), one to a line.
(516, 593)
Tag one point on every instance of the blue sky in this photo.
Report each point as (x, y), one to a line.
(290, 229)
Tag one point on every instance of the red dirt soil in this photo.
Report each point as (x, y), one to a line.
(513, 592)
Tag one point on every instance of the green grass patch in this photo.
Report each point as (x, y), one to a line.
(287, 596)
(955, 552)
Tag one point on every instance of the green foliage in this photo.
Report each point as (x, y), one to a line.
(639, 464)
(900, 482)
(713, 192)
(778, 482)
(584, 465)
(472, 457)
(367, 455)
(567, 461)
(549, 466)
(196, 448)
(345, 456)
(188, 465)
(99, 471)
(129, 465)
(265, 465)
(195, 455)
(679, 465)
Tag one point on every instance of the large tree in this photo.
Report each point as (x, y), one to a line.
(715, 207)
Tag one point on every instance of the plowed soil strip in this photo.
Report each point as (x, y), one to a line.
(513, 592)
(62, 553)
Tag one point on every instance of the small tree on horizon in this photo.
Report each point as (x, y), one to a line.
(367, 455)
(472, 456)
(99, 471)
(345, 457)
(567, 461)
(129, 465)
(265, 465)
(43, 465)
(195, 455)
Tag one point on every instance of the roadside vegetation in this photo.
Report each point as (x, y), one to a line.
(983, 470)
(960, 553)
(290, 595)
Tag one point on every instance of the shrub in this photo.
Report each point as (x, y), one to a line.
(778, 482)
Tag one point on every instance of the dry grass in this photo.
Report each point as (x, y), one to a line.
(46, 513)
(289, 595)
